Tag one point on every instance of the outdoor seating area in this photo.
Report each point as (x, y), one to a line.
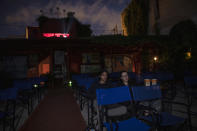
(177, 102)
(98, 65)
(19, 100)
(32, 98)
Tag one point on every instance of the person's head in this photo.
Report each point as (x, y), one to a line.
(103, 75)
(124, 77)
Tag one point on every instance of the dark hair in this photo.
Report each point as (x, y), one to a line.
(101, 72)
(123, 72)
(121, 76)
(130, 81)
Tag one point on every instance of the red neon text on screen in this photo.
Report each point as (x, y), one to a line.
(65, 35)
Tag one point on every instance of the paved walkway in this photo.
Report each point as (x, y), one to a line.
(58, 111)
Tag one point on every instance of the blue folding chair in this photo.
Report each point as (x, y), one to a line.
(3, 119)
(84, 96)
(78, 82)
(190, 84)
(114, 76)
(38, 83)
(113, 96)
(156, 118)
(161, 76)
(26, 92)
(166, 80)
(82, 84)
(3, 113)
(190, 91)
(9, 96)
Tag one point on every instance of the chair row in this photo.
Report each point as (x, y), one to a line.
(21, 95)
(82, 82)
(81, 79)
(157, 120)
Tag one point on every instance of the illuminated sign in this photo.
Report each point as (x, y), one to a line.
(64, 35)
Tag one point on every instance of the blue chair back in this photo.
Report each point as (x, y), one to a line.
(113, 95)
(139, 79)
(161, 76)
(114, 75)
(23, 84)
(85, 81)
(79, 76)
(34, 80)
(132, 75)
(190, 80)
(8, 94)
(43, 78)
(89, 81)
(146, 93)
(148, 75)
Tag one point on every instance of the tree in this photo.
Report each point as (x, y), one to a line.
(83, 30)
(41, 20)
(184, 32)
(183, 35)
(126, 20)
(136, 17)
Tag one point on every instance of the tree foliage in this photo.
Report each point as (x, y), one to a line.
(83, 30)
(184, 32)
(183, 36)
(136, 17)
(41, 20)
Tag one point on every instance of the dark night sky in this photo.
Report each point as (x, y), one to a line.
(103, 15)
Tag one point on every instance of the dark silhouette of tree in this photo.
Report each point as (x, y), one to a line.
(136, 17)
(184, 32)
(41, 20)
(83, 30)
(184, 38)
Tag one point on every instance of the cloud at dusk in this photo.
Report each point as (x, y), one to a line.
(99, 14)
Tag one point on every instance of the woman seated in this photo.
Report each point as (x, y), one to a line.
(102, 82)
(123, 110)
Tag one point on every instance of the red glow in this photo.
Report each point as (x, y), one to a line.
(64, 35)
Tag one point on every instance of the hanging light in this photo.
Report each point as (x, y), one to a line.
(155, 58)
(188, 54)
